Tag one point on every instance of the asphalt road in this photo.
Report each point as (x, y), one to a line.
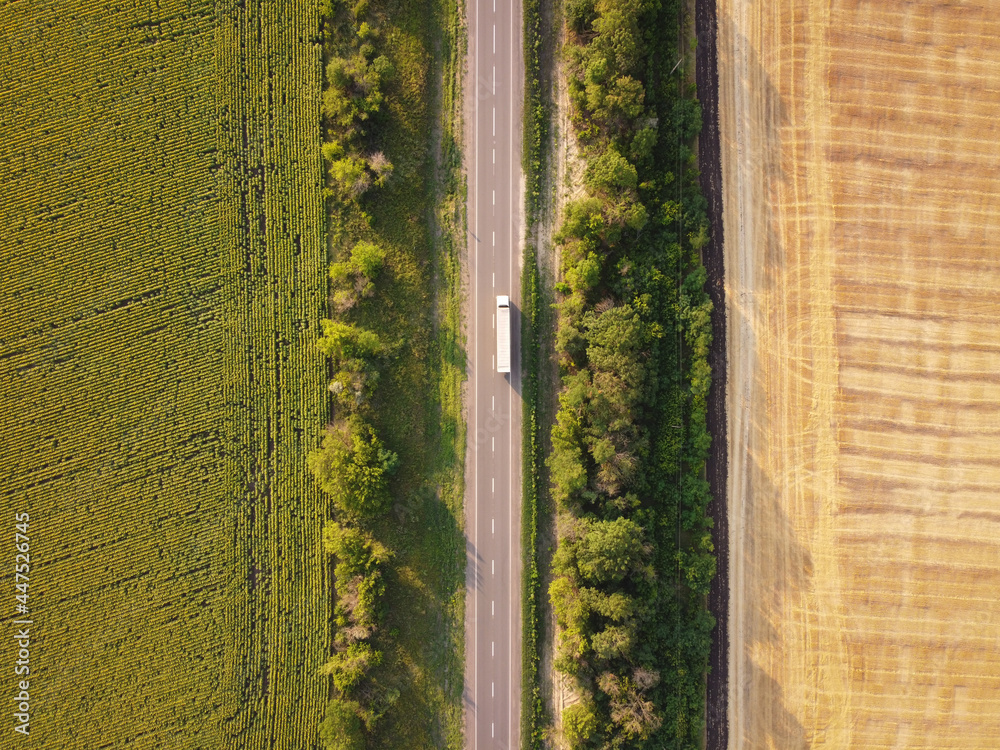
(493, 476)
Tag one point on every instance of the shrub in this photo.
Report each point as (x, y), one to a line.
(349, 667)
(580, 14)
(354, 278)
(353, 467)
(609, 550)
(341, 728)
(579, 724)
(344, 341)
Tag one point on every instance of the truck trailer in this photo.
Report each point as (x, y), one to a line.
(503, 333)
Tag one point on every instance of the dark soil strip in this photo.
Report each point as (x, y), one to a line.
(717, 737)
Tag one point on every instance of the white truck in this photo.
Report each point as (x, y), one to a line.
(503, 333)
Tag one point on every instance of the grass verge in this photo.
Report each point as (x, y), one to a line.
(533, 324)
(410, 695)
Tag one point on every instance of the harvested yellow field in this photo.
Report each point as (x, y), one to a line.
(862, 186)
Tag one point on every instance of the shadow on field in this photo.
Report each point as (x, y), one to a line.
(765, 116)
(420, 609)
(784, 730)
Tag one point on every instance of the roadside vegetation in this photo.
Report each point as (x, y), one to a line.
(391, 459)
(635, 556)
(535, 324)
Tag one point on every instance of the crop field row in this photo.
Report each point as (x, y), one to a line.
(163, 272)
(269, 75)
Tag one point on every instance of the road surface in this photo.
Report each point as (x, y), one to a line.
(493, 478)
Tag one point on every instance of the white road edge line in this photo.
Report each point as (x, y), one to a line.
(512, 732)
(475, 395)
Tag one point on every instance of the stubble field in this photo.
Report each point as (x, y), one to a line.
(862, 209)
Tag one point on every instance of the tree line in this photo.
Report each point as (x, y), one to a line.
(353, 95)
(629, 444)
(352, 465)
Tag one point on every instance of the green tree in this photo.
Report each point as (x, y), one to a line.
(585, 275)
(357, 578)
(580, 14)
(618, 344)
(618, 37)
(610, 173)
(354, 277)
(614, 642)
(567, 470)
(357, 552)
(349, 667)
(580, 723)
(623, 102)
(698, 565)
(608, 550)
(353, 467)
(332, 150)
(580, 218)
(351, 176)
(338, 108)
(342, 341)
(341, 728)
(643, 144)
(617, 606)
(367, 259)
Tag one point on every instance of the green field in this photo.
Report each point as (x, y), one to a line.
(163, 274)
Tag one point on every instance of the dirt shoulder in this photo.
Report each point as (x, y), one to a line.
(706, 27)
(561, 182)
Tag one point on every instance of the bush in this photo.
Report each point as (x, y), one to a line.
(353, 467)
(351, 176)
(341, 728)
(579, 724)
(353, 279)
(349, 667)
(609, 550)
(343, 341)
(610, 173)
(580, 14)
